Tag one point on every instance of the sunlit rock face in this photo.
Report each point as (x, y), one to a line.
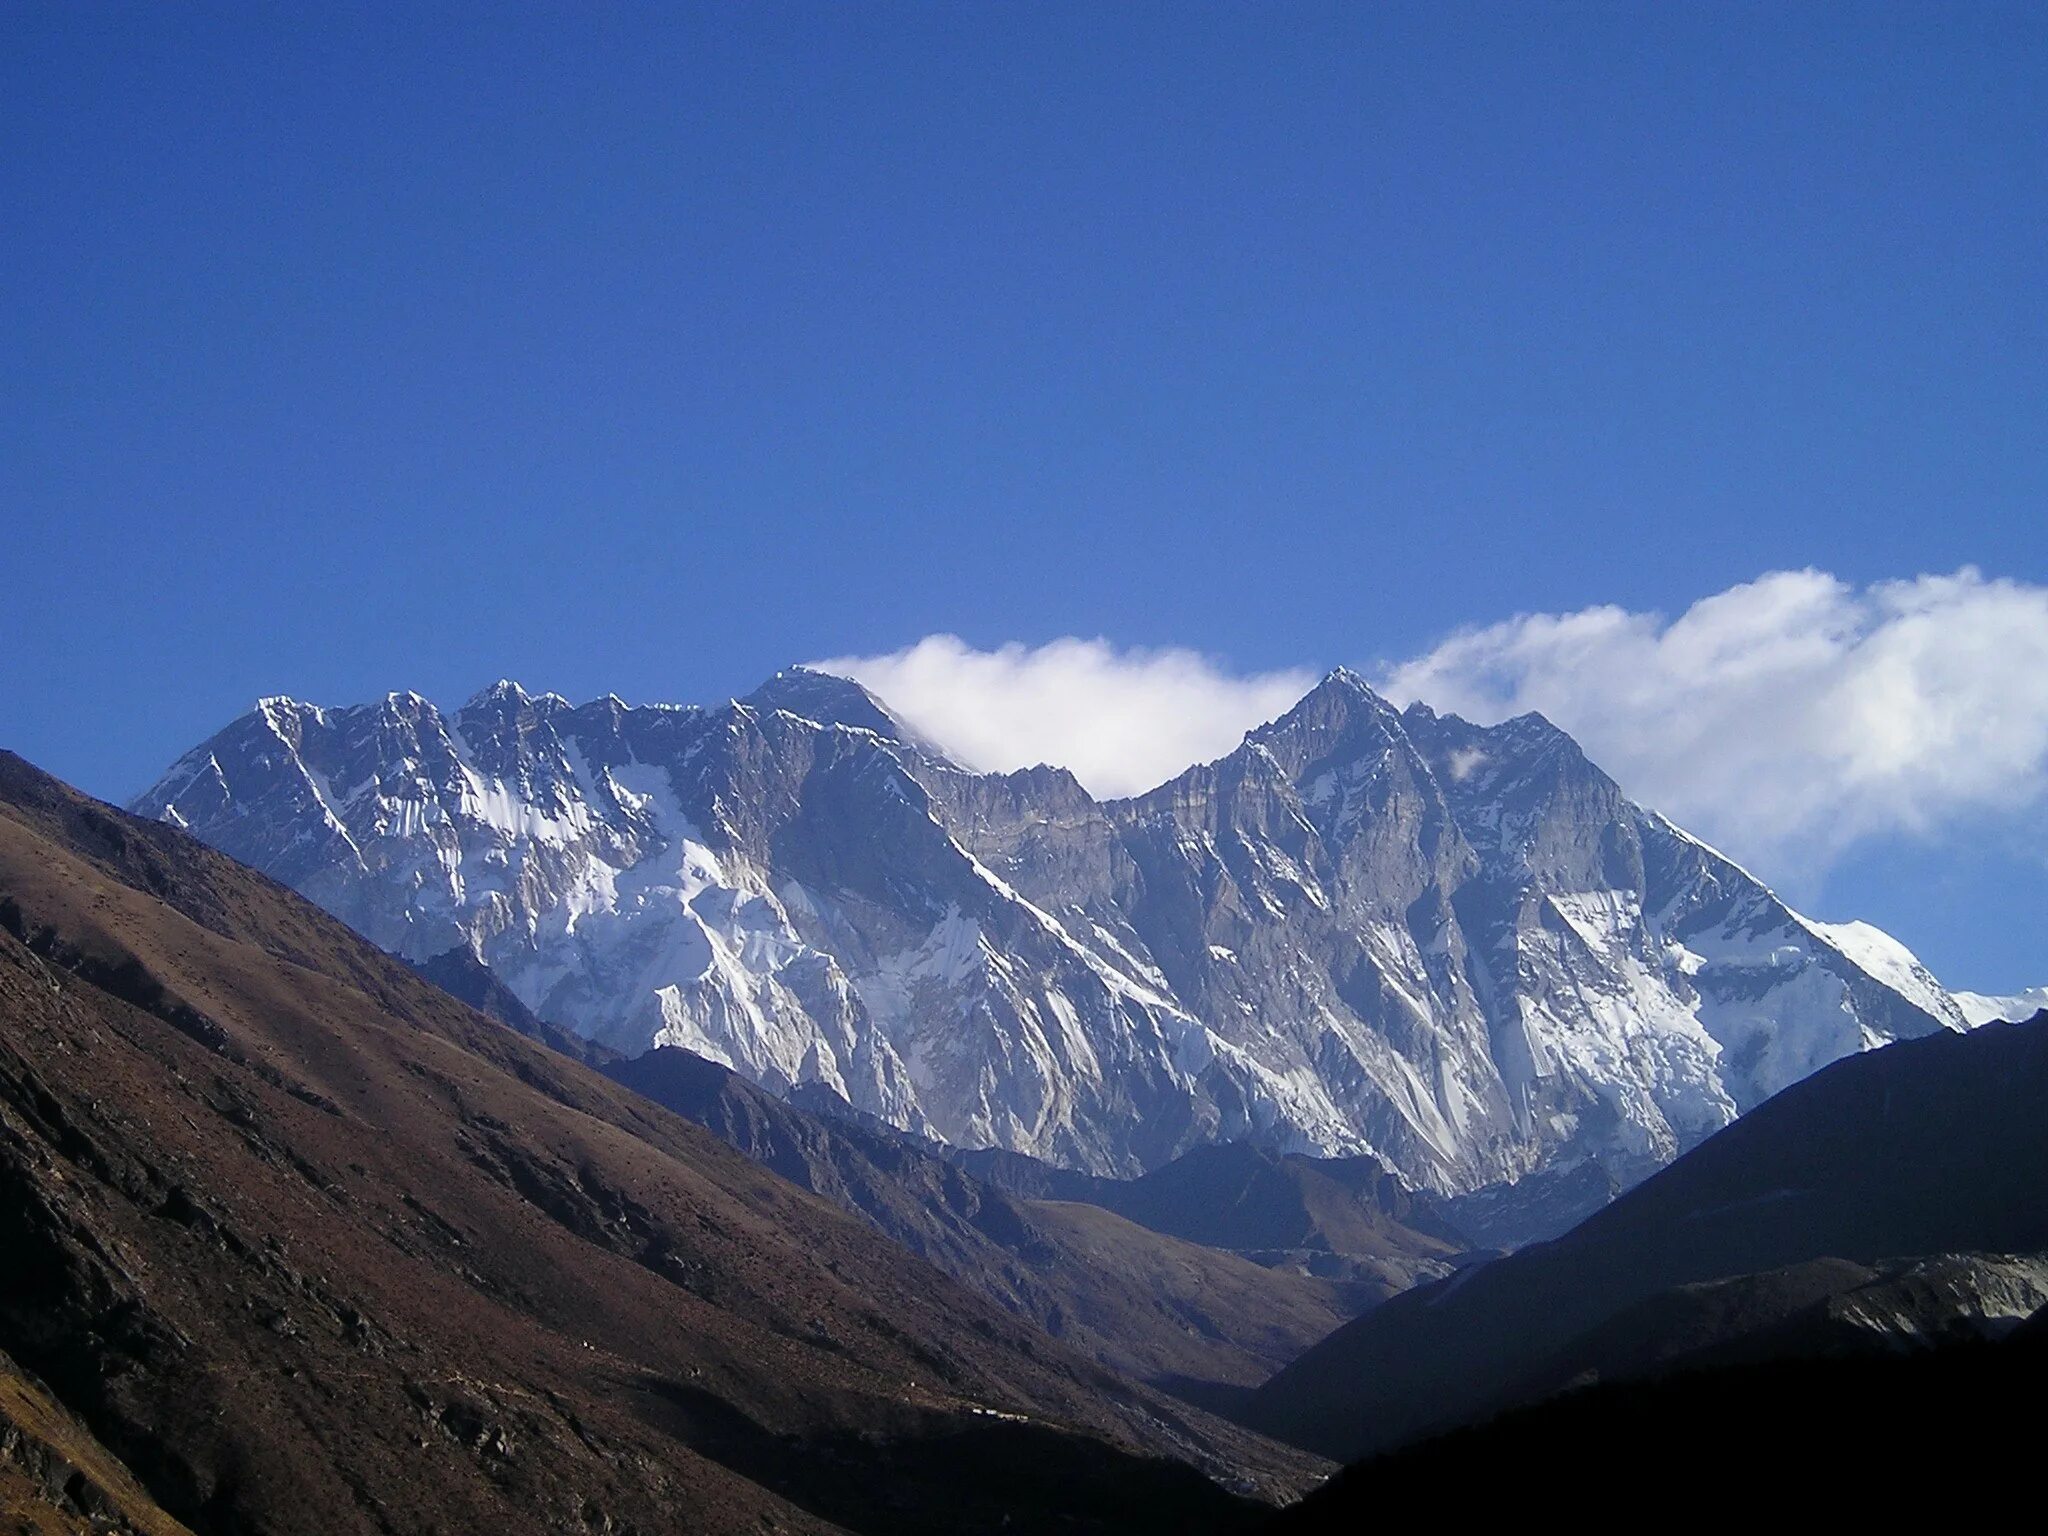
(1458, 948)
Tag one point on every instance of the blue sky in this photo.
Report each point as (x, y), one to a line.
(618, 349)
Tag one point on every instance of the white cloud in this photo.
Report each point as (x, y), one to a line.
(1782, 719)
(1465, 762)
(1122, 720)
(1789, 716)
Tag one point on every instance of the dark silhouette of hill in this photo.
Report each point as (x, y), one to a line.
(1841, 1443)
(1929, 1147)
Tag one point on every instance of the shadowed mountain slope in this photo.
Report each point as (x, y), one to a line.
(1933, 1146)
(1147, 1304)
(1792, 1440)
(56, 1478)
(467, 979)
(1345, 1217)
(309, 1245)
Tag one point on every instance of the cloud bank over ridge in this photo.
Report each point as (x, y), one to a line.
(1789, 716)
(1784, 718)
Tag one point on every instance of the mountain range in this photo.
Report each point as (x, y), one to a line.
(305, 1235)
(1457, 950)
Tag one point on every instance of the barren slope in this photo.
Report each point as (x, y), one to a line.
(311, 1246)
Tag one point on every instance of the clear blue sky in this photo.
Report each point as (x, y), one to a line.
(649, 348)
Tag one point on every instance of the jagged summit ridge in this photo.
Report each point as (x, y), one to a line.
(828, 699)
(1459, 948)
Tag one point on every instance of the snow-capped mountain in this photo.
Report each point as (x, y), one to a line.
(1458, 948)
(1980, 1008)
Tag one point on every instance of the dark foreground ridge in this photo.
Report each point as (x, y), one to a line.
(296, 1241)
(1897, 1196)
(1841, 1442)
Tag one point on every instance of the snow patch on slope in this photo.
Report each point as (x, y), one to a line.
(1980, 1008)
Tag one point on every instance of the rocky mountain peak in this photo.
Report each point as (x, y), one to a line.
(501, 694)
(1458, 949)
(825, 698)
(1339, 720)
(1341, 698)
